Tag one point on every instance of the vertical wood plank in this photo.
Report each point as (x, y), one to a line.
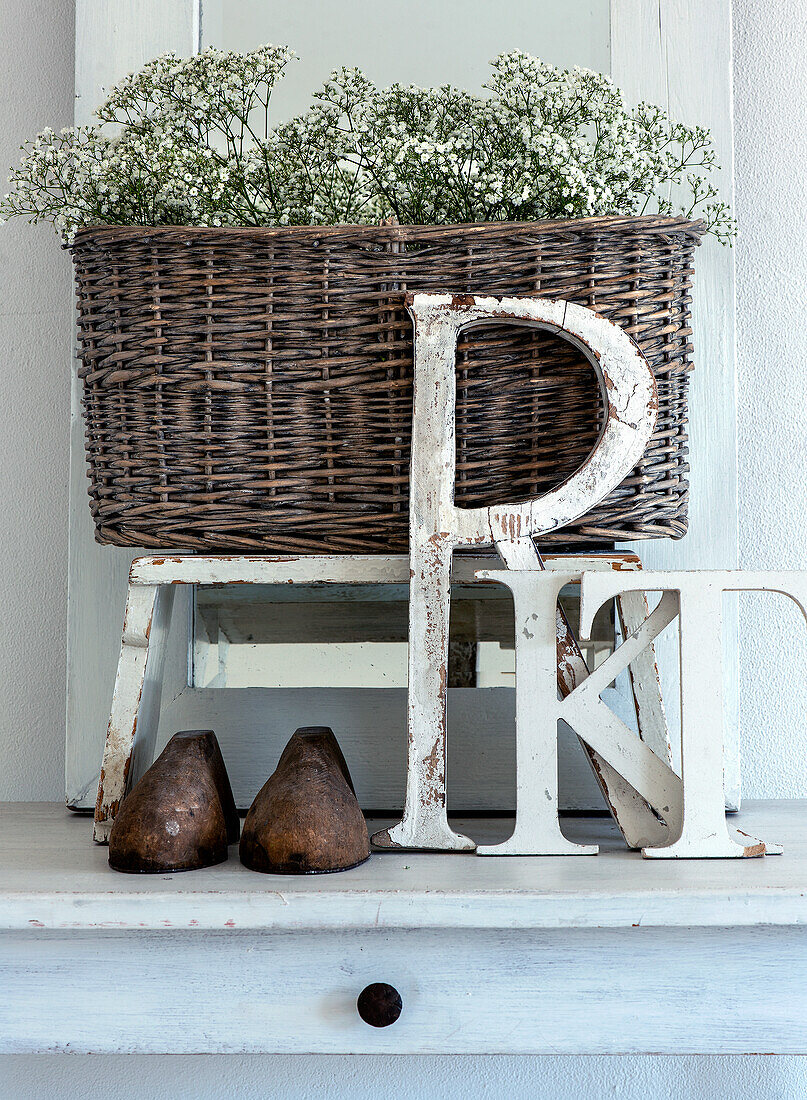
(132, 730)
(678, 53)
(112, 39)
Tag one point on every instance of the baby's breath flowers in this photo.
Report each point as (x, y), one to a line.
(190, 141)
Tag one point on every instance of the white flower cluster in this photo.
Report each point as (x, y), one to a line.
(189, 141)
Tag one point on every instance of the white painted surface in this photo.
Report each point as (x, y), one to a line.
(36, 90)
(64, 883)
(677, 53)
(111, 40)
(437, 526)
(451, 41)
(253, 725)
(469, 992)
(641, 789)
(380, 1077)
(463, 992)
(700, 598)
(770, 106)
(522, 958)
(136, 700)
(771, 153)
(142, 686)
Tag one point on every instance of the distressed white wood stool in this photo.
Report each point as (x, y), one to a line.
(133, 722)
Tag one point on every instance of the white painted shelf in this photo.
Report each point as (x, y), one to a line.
(52, 876)
(574, 955)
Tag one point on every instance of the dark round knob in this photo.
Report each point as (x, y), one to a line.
(379, 1004)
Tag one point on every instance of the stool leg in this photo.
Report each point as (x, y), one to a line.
(644, 678)
(135, 713)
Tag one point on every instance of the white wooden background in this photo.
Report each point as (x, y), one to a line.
(677, 53)
(674, 52)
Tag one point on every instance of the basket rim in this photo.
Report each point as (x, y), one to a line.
(660, 224)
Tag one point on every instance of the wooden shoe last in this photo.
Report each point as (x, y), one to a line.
(181, 815)
(306, 819)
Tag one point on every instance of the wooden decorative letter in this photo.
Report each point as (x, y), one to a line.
(689, 809)
(697, 598)
(437, 526)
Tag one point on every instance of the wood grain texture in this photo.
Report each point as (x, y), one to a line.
(305, 819)
(136, 699)
(671, 991)
(62, 882)
(678, 53)
(521, 955)
(112, 39)
(181, 815)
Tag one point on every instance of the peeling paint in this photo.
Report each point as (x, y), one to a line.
(437, 526)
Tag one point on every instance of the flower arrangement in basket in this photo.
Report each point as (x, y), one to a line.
(246, 357)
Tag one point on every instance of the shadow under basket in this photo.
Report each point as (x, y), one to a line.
(251, 389)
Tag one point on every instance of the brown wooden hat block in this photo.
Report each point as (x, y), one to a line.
(306, 818)
(181, 815)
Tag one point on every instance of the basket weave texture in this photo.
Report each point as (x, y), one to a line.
(251, 389)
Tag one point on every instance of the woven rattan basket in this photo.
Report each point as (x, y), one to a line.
(251, 389)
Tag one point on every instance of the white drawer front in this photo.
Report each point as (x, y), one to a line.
(573, 991)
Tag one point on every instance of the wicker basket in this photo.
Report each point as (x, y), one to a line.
(251, 389)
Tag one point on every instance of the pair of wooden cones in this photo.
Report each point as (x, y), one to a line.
(181, 815)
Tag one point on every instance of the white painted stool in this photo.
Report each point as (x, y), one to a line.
(132, 730)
